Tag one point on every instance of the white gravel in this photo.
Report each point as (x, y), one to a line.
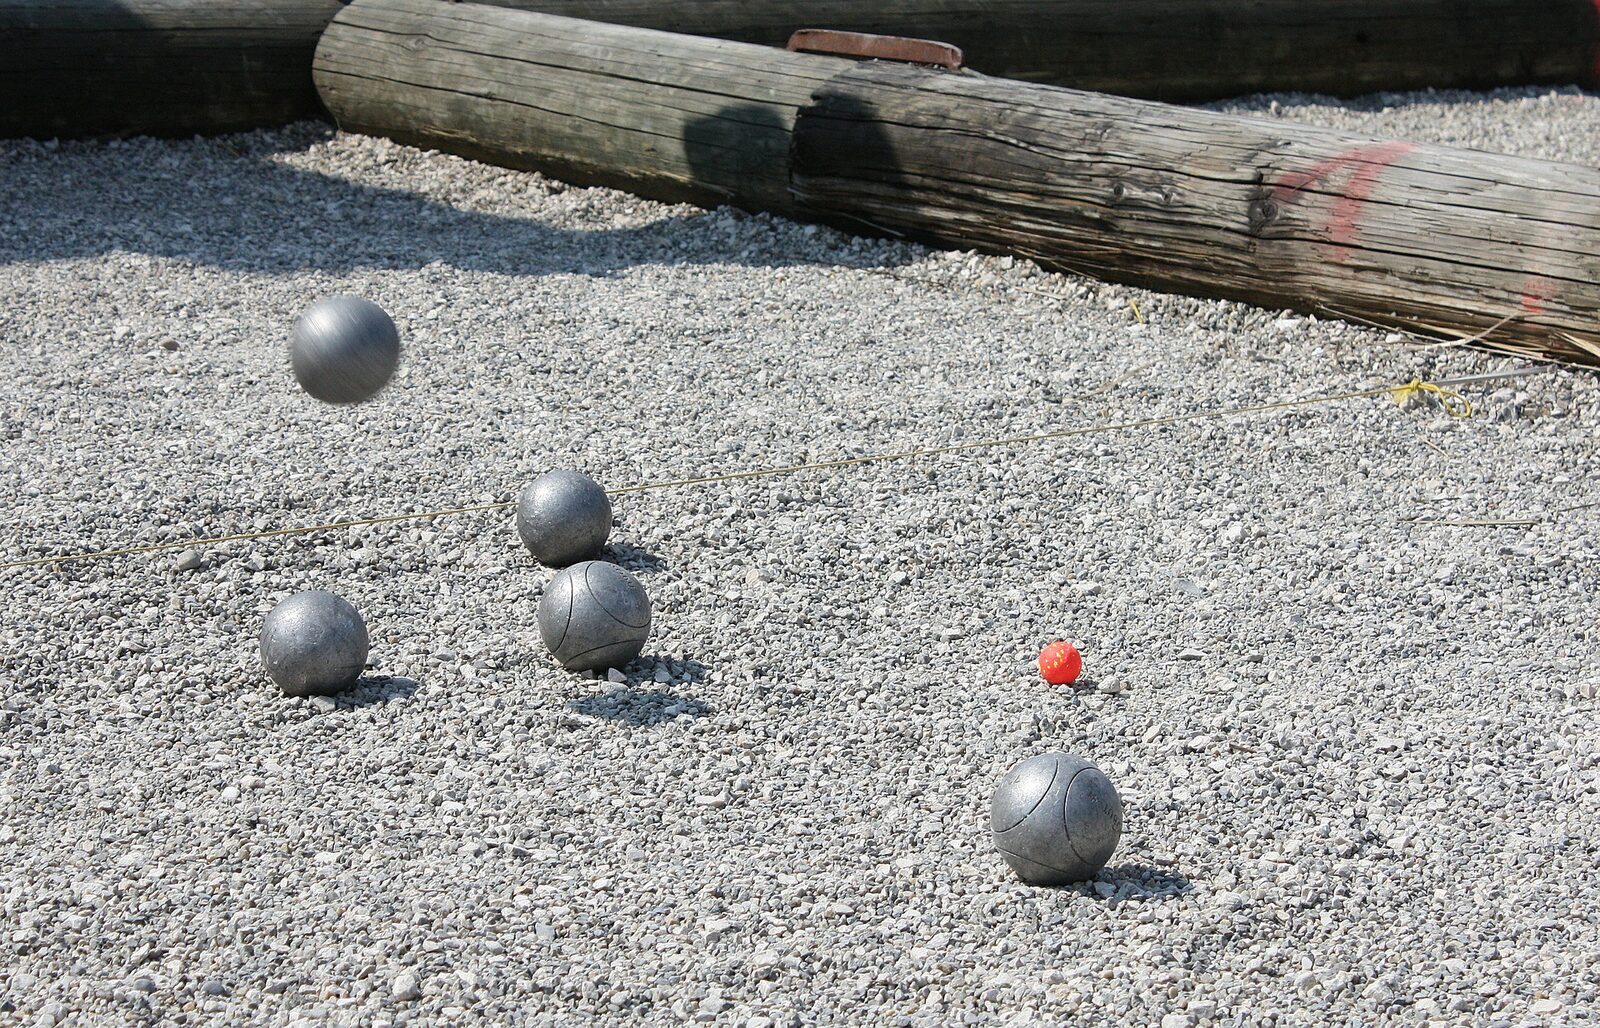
(1358, 752)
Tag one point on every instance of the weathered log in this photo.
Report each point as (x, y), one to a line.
(1454, 242)
(1450, 241)
(677, 118)
(1181, 49)
(73, 68)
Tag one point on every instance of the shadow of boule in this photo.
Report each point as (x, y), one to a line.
(644, 700)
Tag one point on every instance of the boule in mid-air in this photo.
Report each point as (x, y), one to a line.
(344, 349)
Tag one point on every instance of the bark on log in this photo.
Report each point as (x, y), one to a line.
(1449, 241)
(1453, 242)
(1181, 49)
(73, 68)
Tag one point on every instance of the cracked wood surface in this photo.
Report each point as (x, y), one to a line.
(1447, 241)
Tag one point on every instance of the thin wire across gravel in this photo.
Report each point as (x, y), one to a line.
(1352, 717)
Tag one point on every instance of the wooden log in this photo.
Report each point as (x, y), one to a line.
(676, 118)
(1181, 49)
(71, 68)
(1452, 242)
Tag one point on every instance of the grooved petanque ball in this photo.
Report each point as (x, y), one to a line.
(344, 349)
(314, 643)
(594, 615)
(563, 517)
(1056, 819)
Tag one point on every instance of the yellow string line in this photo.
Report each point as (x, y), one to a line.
(1400, 392)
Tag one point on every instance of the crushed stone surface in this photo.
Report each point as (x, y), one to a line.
(1340, 660)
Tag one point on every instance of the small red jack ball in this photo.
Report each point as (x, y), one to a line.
(1060, 663)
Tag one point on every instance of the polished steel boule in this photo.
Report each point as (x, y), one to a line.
(1056, 818)
(314, 643)
(344, 349)
(563, 517)
(594, 615)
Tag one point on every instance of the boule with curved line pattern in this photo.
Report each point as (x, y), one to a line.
(594, 615)
(1056, 819)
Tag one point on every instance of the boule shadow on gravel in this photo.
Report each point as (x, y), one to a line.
(643, 700)
(377, 690)
(640, 709)
(1134, 881)
(644, 671)
(635, 559)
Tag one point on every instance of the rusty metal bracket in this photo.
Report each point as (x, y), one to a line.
(882, 48)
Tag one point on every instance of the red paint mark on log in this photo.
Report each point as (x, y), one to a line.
(1535, 291)
(1369, 163)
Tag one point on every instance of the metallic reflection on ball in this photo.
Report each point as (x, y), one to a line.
(313, 643)
(563, 517)
(1056, 819)
(344, 349)
(594, 615)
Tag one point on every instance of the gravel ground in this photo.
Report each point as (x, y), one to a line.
(1357, 751)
